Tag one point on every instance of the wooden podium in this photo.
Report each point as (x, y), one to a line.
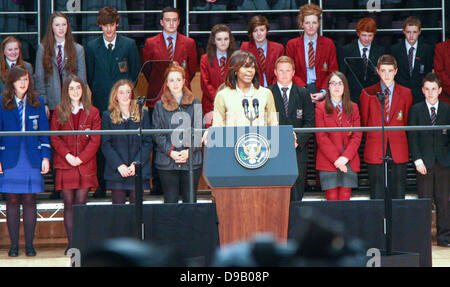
(250, 200)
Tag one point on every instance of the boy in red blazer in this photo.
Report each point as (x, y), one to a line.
(397, 104)
(266, 52)
(314, 55)
(169, 45)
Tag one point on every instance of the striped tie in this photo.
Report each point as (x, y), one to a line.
(311, 61)
(386, 103)
(222, 67)
(59, 60)
(365, 62)
(170, 48)
(410, 60)
(433, 116)
(339, 114)
(262, 60)
(20, 109)
(12, 66)
(285, 99)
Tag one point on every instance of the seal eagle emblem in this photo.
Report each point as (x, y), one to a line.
(252, 150)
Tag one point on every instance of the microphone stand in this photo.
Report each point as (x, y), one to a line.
(387, 182)
(138, 178)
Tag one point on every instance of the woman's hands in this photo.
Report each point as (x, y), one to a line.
(180, 156)
(45, 166)
(73, 160)
(126, 171)
(340, 164)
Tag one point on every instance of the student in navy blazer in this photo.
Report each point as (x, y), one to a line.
(123, 151)
(23, 159)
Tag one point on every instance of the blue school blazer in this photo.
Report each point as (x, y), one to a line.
(38, 147)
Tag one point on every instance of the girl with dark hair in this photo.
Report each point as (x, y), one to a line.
(123, 151)
(177, 109)
(57, 57)
(75, 161)
(11, 56)
(214, 66)
(242, 83)
(265, 51)
(337, 152)
(23, 159)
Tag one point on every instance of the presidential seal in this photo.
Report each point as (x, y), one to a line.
(252, 150)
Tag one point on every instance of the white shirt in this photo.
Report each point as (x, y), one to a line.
(430, 106)
(75, 110)
(113, 42)
(361, 47)
(414, 52)
(24, 101)
(288, 92)
(62, 49)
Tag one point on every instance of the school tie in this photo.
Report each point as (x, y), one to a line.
(386, 103)
(339, 114)
(222, 67)
(285, 99)
(20, 109)
(59, 60)
(170, 48)
(311, 61)
(12, 66)
(262, 60)
(410, 60)
(433, 116)
(365, 62)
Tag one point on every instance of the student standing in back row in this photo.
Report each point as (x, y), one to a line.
(314, 55)
(110, 58)
(266, 52)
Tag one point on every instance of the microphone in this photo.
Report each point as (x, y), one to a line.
(245, 105)
(256, 106)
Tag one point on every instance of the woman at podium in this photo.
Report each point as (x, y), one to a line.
(337, 154)
(241, 100)
(177, 109)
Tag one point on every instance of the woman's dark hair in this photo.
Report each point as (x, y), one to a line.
(211, 46)
(347, 106)
(8, 101)
(237, 60)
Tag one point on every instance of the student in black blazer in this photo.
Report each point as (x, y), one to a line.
(416, 53)
(299, 114)
(431, 154)
(123, 151)
(355, 70)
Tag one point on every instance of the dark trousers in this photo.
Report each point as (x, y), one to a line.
(176, 182)
(298, 189)
(398, 179)
(436, 185)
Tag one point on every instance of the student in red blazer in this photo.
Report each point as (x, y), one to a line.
(184, 51)
(396, 143)
(337, 153)
(75, 155)
(442, 68)
(313, 64)
(214, 66)
(258, 28)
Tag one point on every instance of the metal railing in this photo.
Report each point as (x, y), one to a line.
(54, 209)
(321, 31)
(82, 32)
(38, 19)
